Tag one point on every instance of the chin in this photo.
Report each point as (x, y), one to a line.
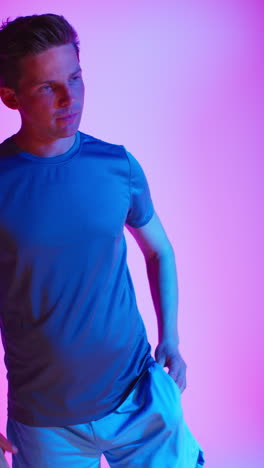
(67, 132)
(68, 129)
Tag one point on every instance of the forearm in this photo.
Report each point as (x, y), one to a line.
(163, 282)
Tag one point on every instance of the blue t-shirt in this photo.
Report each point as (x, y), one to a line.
(74, 340)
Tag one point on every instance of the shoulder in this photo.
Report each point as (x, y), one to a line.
(7, 148)
(103, 144)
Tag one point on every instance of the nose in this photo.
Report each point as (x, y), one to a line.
(65, 97)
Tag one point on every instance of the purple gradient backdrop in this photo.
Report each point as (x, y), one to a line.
(180, 84)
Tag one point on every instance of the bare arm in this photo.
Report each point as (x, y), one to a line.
(162, 275)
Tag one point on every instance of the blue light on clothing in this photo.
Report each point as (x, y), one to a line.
(73, 336)
(146, 431)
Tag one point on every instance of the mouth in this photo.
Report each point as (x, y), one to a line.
(68, 118)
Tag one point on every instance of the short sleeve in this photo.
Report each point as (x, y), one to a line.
(141, 207)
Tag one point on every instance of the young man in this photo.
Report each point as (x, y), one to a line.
(81, 378)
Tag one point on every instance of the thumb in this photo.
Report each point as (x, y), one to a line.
(160, 357)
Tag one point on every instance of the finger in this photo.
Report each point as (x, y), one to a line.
(181, 384)
(178, 373)
(174, 372)
(160, 358)
(179, 379)
(6, 445)
(174, 376)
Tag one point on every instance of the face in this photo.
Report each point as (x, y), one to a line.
(50, 90)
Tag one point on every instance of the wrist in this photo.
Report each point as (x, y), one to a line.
(169, 337)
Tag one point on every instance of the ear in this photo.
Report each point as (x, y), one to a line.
(9, 98)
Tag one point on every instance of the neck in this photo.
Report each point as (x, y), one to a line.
(39, 147)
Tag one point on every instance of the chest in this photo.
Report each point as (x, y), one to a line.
(55, 208)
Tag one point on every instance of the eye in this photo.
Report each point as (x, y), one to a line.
(45, 88)
(75, 78)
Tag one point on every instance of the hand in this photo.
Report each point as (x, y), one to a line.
(167, 355)
(6, 445)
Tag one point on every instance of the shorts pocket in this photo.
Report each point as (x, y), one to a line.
(168, 377)
(135, 397)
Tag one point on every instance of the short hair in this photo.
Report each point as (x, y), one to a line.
(31, 35)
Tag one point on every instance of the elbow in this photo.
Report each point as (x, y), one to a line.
(165, 251)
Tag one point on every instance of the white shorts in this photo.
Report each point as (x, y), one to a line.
(147, 430)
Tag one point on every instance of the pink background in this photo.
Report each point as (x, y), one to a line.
(180, 84)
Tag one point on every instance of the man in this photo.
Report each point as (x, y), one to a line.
(81, 378)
